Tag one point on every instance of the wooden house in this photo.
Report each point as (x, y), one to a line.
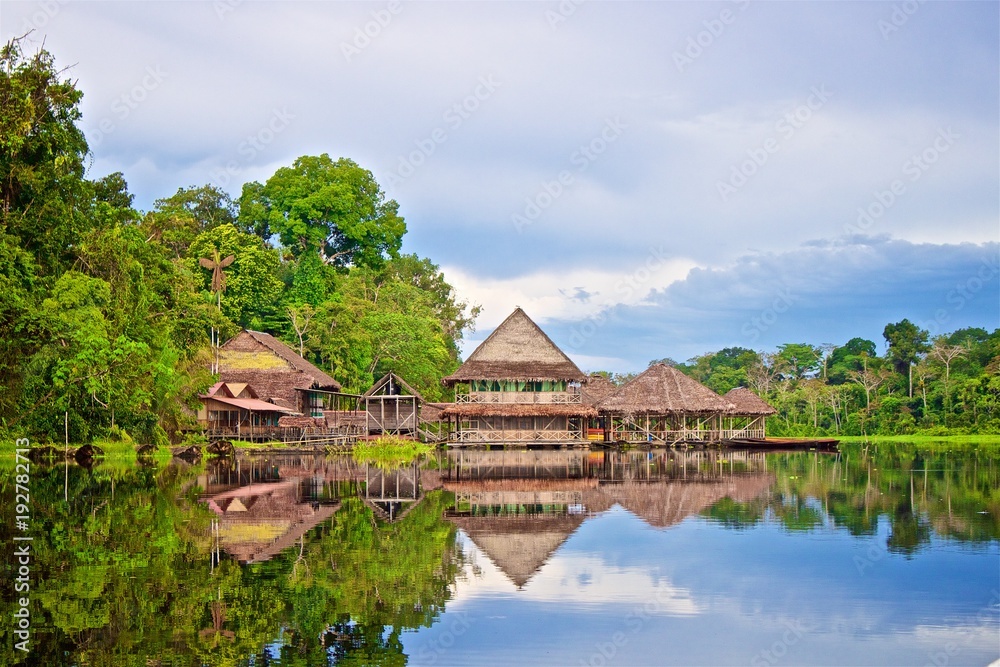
(596, 390)
(234, 408)
(277, 373)
(663, 406)
(517, 386)
(392, 406)
(748, 417)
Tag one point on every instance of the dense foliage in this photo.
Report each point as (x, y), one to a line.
(107, 311)
(950, 384)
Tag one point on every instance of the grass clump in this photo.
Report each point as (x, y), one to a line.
(389, 451)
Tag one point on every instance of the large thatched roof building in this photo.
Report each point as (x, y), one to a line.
(517, 386)
(662, 405)
(275, 371)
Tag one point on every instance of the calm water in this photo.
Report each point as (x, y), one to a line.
(887, 555)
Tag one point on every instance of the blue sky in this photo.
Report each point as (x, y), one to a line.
(647, 180)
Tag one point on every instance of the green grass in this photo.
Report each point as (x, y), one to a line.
(389, 452)
(922, 439)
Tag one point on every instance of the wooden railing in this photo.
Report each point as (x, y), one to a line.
(561, 397)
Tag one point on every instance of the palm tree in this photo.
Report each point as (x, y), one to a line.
(216, 265)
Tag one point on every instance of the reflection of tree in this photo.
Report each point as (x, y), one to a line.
(956, 495)
(121, 576)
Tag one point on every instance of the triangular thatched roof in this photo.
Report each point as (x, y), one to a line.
(747, 403)
(662, 389)
(663, 504)
(517, 350)
(388, 381)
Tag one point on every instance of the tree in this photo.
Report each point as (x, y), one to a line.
(946, 354)
(336, 209)
(252, 286)
(906, 343)
(178, 219)
(851, 356)
(801, 359)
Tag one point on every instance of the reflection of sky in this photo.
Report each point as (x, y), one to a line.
(620, 592)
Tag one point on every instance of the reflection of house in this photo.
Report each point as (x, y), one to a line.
(517, 386)
(748, 417)
(392, 406)
(258, 521)
(276, 372)
(662, 504)
(233, 407)
(664, 406)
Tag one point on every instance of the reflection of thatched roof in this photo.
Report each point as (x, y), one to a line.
(519, 546)
(517, 350)
(257, 522)
(662, 504)
(662, 389)
(597, 389)
(745, 402)
(481, 485)
(519, 410)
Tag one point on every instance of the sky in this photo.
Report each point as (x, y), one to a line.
(645, 179)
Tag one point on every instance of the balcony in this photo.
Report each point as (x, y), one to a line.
(549, 397)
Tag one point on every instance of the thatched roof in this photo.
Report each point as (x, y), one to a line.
(389, 385)
(745, 402)
(519, 546)
(233, 357)
(519, 410)
(598, 388)
(662, 389)
(517, 350)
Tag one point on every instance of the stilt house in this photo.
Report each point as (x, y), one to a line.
(664, 406)
(392, 406)
(517, 386)
(748, 416)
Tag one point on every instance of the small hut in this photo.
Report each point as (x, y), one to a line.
(392, 406)
(748, 418)
(232, 409)
(664, 406)
(517, 386)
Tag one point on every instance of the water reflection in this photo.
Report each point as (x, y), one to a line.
(507, 556)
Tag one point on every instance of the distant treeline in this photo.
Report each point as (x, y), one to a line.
(946, 384)
(106, 312)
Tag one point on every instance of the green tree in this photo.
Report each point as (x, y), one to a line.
(906, 343)
(334, 208)
(177, 220)
(252, 284)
